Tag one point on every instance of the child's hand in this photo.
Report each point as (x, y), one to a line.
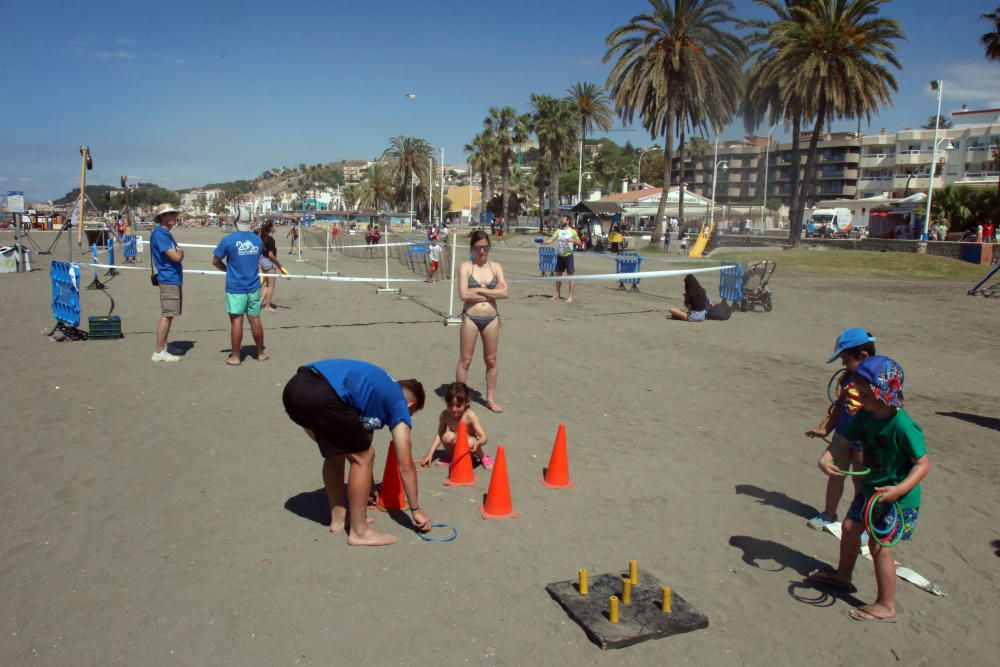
(421, 521)
(815, 433)
(426, 461)
(830, 468)
(891, 493)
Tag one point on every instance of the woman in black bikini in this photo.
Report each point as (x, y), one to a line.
(480, 284)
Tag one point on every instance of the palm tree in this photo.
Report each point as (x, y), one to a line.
(483, 158)
(680, 57)
(378, 188)
(555, 124)
(991, 40)
(592, 108)
(829, 59)
(508, 129)
(404, 158)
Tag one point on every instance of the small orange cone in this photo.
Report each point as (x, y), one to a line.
(391, 498)
(557, 474)
(498, 505)
(460, 471)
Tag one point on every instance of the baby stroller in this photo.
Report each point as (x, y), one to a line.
(755, 289)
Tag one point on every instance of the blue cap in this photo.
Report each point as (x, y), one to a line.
(885, 376)
(848, 338)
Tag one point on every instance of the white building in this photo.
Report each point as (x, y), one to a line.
(199, 202)
(900, 163)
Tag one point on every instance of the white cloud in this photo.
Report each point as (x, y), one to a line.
(3, 179)
(973, 83)
(25, 179)
(126, 41)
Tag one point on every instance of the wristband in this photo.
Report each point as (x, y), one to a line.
(414, 509)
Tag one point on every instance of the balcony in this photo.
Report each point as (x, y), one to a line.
(878, 160)
(917, 183)
(841, 174)
(913, 157)
(978, 177)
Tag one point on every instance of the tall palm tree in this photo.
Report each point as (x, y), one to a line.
(991, 40)
(378, 187)
(404, 158)
(555, 125)
(682, 54)
(509, 129)
(593, 109)
(483, 158)
(840, 53)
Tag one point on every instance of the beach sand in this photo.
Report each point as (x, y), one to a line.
(172, 514)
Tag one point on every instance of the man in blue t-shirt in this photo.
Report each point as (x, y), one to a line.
(341, 403)
(241, 251)
(166, 258)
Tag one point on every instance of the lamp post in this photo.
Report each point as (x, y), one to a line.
(767, 151)
(715, 169)
(441, 198)
(938, 87)
(638, 173)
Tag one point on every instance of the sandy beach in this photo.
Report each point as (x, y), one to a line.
(159, 514)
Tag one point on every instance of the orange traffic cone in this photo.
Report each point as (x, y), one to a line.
(391, 497)
(498, 505)
(557, 474)
(460, 472)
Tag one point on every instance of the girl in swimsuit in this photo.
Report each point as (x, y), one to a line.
(457, 399)
(480, 283)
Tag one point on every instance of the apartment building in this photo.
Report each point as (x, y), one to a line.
(900, 163)
(741, 177)
(199, 202)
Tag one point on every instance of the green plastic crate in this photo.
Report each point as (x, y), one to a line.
(105, 328)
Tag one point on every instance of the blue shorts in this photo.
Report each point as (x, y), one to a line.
(697, 315)
(564, 263)
(909, 516)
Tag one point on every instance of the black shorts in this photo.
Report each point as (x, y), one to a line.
(564, 263)
(312, 403)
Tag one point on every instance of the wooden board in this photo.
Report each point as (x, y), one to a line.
(639, 621)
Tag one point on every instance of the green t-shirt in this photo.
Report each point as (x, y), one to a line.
(891, 446)
(565, 241)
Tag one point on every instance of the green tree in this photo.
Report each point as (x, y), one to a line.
(378, 188)
(847, 76)
(680, 62)
(406, 157)
(483, 159)
(991, 39)
(942, 122)
(508, 129)
(554, 122)
(593, 109)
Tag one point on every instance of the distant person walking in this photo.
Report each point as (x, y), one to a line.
(166, 258)
(269, 264)
(567, 240)
(238, 254)
(293, 233)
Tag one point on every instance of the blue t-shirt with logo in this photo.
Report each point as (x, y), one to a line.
(160, 241)
(241, 251)
(370, 390)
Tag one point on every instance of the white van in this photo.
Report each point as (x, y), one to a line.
(829, 222)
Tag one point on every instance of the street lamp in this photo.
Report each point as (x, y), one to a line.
(638, 175)
(715, 169)
(767, 151)
(938, 87)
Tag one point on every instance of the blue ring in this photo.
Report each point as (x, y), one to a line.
(450, 538)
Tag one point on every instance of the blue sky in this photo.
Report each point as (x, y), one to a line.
(187, 93)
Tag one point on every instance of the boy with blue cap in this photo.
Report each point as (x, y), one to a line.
(896, 457)
(853, 346)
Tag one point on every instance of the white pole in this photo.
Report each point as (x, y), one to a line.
(441, 198)
(328, 248)
(715, 160)
(930, 185)
(579, 177)
(301, 240)
(430, 192)
(413, 177)
(767, 151)
(451, 320)
(386, 237)
(469, 164)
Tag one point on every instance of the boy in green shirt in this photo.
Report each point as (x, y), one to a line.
(896, 456)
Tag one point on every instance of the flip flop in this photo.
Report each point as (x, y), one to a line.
(828, 578)
(855, 615)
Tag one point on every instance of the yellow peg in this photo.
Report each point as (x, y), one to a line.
(613, 610)
(626, 590)
(633, 572)
(583, 582)
(666, 600)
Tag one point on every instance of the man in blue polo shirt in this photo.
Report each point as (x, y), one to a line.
(166, 258)
(341, 403)
(241, 251)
